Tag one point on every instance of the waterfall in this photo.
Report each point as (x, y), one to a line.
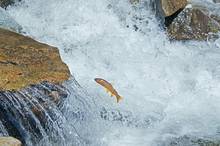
(170, 89)
(33, 115)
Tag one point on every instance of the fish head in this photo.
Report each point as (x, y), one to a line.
(99, 80)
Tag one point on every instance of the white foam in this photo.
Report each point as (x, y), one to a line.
(155, 76)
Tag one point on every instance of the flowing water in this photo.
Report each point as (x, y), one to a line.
(169, 89)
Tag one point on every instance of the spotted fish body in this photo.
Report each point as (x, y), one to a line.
(109, 88)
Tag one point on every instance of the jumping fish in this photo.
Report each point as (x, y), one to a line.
(109, 88)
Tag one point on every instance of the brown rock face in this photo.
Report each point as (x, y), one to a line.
(193, 24)
(9, 141)
(24, 61)
(167, 10)
(169, 7)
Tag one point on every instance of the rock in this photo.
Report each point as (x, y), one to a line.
(216, 1)
(7, 22)
(215, 17)
(24, 61)
(31, 114)
(55, 96)
(5, 3)
(9, 141)
(167, 10)
(170, 7)
(189, 141)
(134, 1)
(193, 23)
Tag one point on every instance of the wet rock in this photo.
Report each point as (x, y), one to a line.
(24, 61)
(216, 1)
(215, 17)
(31, 115)
(170, 7)
(31, 91)
(7, 22)
(127, 118)
(9, 141)
(5, 3)
(189, 141)
(134, 1)
(188, 20)
(193, 23)
(167, 10)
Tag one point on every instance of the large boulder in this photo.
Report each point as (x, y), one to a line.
(9, 141)
(189, 20)
(193, 23)
(31, 89)
(24, 61)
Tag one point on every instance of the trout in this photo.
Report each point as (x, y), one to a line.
(109, 88)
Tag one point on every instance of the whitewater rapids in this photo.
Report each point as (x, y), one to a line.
(176, 84)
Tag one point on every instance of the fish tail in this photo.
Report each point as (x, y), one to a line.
(119, 98)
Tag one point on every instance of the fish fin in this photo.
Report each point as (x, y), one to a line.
(106, 90)
(110, 94)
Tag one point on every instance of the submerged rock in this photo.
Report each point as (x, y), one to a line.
(134, 1)
(193, 23)
(215, 17)
(190, 141)
(9, 141)
(24, 61)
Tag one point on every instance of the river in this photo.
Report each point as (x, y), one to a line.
(170, 89)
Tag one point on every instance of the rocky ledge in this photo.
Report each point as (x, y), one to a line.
(24, 61)
(194, 23)
(189, 20)
(31, 89)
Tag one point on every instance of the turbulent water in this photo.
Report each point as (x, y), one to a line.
(169, 89)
